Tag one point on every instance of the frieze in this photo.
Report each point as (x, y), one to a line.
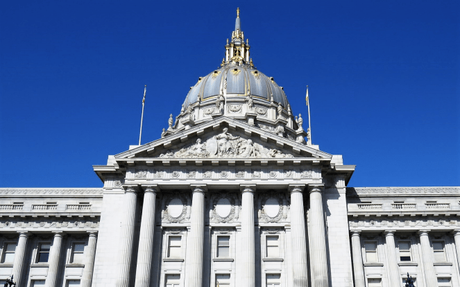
(234, 108)
(406, 224)
(51, 191)
(41, 223)
(225, 145)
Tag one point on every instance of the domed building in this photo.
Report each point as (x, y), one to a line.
(234, 193)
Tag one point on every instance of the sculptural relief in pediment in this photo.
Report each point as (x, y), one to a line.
(225, 145)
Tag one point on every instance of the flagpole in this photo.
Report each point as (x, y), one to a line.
(309, 120)
(142, 115)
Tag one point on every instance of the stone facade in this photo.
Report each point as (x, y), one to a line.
(230, 195)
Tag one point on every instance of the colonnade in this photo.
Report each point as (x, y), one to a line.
(195, 242)
(53, 260)
(428, 272)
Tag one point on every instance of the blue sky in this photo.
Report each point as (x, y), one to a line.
(384, 80)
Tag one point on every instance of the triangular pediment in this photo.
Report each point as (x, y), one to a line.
(223, 138)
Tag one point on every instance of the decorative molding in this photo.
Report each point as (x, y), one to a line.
(379, 191)
(264, 213)
(183, 214)
(51, 191)
(233, 108)
(215, 215)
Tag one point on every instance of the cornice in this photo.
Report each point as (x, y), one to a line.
(93, 192)
(403, 191)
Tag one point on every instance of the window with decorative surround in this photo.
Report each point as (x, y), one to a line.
(172, 280)
(72, 283)
(222, 280)
(9, 249)
(439, 251)
(444, 282)
(370, 248)
(273, 280)
(37, 283)
(223, 246)
(404, 250)
(272, 246)
(77, 255)
(374, 282)
(174, 246)
(43, 252)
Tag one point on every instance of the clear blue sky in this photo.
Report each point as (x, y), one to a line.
(384, 80)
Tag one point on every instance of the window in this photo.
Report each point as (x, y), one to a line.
(444, 282)
(374, 282)
(404, 251)
(77, 255)
(273, 280)
(223, 246)
(371, 251)
(222, 280)
(8, 252)
(172, 280)
(438, 249)
(272, 246)
(73, 283)
(43, 252)
(174, 246)
(37, 283)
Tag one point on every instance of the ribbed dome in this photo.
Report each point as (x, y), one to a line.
(233, 80)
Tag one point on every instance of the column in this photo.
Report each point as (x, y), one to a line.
(318, 251)
(89, 260)
(457, 245)
(19, 257)
(427, 258)
(145, 253)
(126, 237)
(54, 260)
(358, 269)
(195, 240)
(392, 258)
(298, 237)
(248, 251)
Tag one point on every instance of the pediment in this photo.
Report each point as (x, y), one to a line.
(223, 138)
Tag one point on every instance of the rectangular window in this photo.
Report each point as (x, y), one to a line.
(223, 246)
(273, 280)
(73, 283)
(222, 280)
(439, 252)
(37, 283)
(444, 282)
(371, 251)
(172, 280)
(8, 252)
(374, 282)
(174, 247)
(43, 252)
(77, 255)
(404, 251)
(272, 246)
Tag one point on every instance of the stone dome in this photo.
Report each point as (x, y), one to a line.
(236, 80)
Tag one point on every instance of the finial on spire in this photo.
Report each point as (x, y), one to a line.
(238, 12)
(237, 21)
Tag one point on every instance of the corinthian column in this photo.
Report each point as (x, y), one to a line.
(358, 268)
(54, 260)
(145, 253)
(126, 237)
(195, 240)
(318, 251)
(19, 257)
(298, 237)
(89, 260)
(427, 257)
(248, 251)
(392, 259)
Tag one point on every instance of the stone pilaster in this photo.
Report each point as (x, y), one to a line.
(89, 260)
(53, 261)
(248, 251)
(457, 245)
(126, 237)
(392, 258)
(318, 250)
(195, 240)
(358, 268)
(145, 253)
(427, 258)
(298, 237)
(19, 257)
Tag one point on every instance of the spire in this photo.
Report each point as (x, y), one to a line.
(237, 21)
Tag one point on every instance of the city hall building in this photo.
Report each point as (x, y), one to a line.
(232, 194)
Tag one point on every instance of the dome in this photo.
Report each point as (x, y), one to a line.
(233, 80)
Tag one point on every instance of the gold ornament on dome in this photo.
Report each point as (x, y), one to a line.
(236, 71)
